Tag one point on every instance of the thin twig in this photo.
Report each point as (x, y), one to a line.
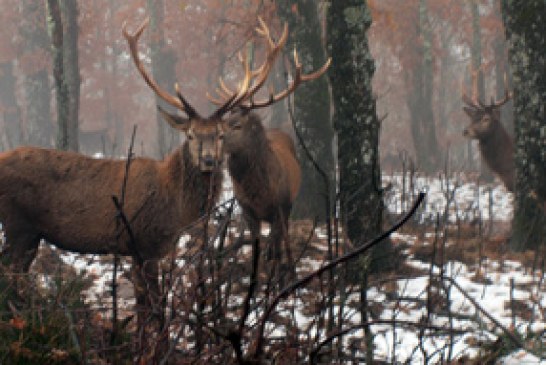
(287, 291)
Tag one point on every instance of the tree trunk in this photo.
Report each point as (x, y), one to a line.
(420, 82)
(61, 88)
(355, 120)
(526, 29)
(311, 107)
(39, 126)
(357, 127)
(72, 69)
(11, 112)
(163, 70)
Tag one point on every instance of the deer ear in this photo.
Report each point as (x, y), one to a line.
(176, 121)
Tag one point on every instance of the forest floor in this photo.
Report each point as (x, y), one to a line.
(480, 302)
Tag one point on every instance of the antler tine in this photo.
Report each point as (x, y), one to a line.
(472, 101)
(296, 81)
(234, 98)
(188, 109)
(262, 73)
(132, 39)
(223, 93)
(253, 79)
(507, 95)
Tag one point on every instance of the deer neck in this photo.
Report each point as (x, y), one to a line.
(498, 152)
(249, 164)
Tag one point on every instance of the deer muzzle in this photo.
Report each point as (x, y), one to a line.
(208, 163)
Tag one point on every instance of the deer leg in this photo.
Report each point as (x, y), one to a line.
(146, 289)
(279, 235)
(21, 247)
(253, 225)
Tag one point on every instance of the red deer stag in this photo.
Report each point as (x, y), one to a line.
(496, 146)
(65, 198)
(262, 163)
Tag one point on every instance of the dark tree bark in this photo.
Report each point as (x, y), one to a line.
(355, 119)
(419, 101)
(11, 113)
(163, 70)
(39, 126)
(357, 127)
(311, 106)
(72, 69)
(526, 33)
(61, 88)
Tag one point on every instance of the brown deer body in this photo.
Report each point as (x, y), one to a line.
(263, 165)
(66, 199)
(265, 173)
(495, 144)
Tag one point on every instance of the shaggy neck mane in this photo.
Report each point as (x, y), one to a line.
(251, 160)
(497, 149)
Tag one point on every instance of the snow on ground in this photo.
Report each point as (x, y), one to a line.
(459, 200)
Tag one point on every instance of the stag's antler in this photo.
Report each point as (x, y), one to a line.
(472, 101)
(475, 102)
(177, 101)
(255, 79)
(507, 95)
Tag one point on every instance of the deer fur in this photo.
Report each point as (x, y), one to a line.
(65, 198)
(265, 172)
(495, 144)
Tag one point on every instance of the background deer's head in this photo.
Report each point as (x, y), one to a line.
(484, 118)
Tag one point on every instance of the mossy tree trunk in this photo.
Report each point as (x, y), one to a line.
(526, 31)
(355, 119)
(311, 106)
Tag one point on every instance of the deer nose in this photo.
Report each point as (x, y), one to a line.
(208, 161)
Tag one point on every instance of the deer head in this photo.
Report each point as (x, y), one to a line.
(495, 144)
(484, 118)
(203, 135)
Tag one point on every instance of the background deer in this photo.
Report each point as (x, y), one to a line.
(262, 163)
(495, 144)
